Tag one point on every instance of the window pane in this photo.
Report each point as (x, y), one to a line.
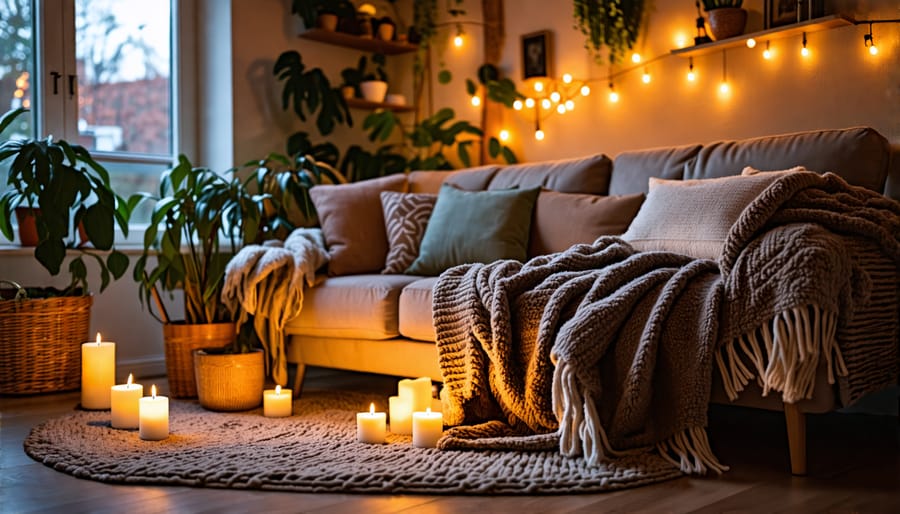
(123, 54)
(16, 64)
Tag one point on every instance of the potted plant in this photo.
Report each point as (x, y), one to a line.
(373, 86)
(65, 187)
(726, 18)
(352, 77)
(199, 220)
(324, 14)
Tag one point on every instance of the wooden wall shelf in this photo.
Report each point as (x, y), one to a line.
(358, 43)
(823, 23)
(359, 103)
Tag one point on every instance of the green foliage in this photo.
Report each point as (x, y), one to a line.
(445, 76)
(196, 211)
(310, 90)
(615, 24)
(309, 10)
(716, 4)
(500, 90)
(69, 188)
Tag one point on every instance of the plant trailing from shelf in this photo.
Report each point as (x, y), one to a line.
(66, 188)
(309, 90)
(497, 89)
(614, 24)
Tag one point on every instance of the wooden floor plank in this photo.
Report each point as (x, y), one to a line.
(854, 466)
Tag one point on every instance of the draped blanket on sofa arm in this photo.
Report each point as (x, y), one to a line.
(601, 350)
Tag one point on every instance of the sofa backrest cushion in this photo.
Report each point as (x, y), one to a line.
(561, 220)
(584, 175)
(631, 170)
(475, 226)
(353, 223)
(469, 179)
(693, 217)
(860, 155)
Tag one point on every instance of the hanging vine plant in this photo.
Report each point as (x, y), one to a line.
(615, 24)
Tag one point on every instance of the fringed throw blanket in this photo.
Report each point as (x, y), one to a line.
(596, 351)
(600, 350)
(811, 271)
(267, 281)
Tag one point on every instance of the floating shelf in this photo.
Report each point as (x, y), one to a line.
(358, 43)
(359, 103)
(816, 24)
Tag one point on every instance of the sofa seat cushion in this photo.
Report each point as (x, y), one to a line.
(352, 306)
(415, 310)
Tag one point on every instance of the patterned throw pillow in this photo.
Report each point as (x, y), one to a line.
(405, 217)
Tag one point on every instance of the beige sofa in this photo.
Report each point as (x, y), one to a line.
(382, 324)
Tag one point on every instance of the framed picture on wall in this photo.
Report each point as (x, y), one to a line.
(536, 54)
(785, 12)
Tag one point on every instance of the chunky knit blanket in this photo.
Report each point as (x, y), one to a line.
(267, 282)
(601, 350)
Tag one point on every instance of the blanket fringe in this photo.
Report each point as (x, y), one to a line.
(784, 354)
(582, 433)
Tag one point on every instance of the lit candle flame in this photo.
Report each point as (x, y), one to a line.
(153, 391)
(427, 410)
(372, 409)
(130, 379)
(98, 339)
(277, 390)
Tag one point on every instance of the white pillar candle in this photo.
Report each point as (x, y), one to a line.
(417, 392)
(277, 402)
(370, 426)
(427, 428)
(401, 415)
(154, 412)
(98, 373)
(125, 401)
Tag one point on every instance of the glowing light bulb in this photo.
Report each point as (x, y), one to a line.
(545, 103)
(691, 76)
(570, 104)
(645, 78)
(555, 96)
(539, 134)
(529, 102)
(804, 52)
(635, 57)
(561, 108)
(18, 93)
(723, 87)
(680, 41)
(458, 41)
(873, 50)
(613, 96)
(567, 78)
(476, 101)
(585, 90)
(538, 86)
(26, 103)
(517, 105)
(751, 43)
(767, 54)
(504, 135)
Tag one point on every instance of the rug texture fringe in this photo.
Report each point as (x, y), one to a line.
(783, 354)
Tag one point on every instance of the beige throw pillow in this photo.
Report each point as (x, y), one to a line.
(353, 223)
(405, 217)
(693, 217)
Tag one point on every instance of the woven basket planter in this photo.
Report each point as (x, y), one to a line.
(229, 381)
(40, 343)
(181, 339)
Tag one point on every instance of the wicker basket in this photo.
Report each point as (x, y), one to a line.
(40, 341)
(181, 339)
(230, 381)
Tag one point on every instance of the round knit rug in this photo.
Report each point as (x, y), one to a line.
(315, 450)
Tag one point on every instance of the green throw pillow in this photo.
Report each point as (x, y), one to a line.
(475, 226)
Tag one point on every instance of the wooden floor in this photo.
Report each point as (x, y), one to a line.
(854, 467)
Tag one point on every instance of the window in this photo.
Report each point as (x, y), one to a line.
(100, 73)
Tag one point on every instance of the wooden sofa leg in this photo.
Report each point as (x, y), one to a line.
(796, 431)
(298, 379)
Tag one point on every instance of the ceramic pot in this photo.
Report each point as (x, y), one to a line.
(28, 236)
(229, 381)
(348, 92)
(726, 22)
(327, 21)
(386, 31)
(373, 90)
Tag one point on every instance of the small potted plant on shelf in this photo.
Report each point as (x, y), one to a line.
(374, 86)
(199, 221)
(62, 187)
(324, 14)
(726, 18)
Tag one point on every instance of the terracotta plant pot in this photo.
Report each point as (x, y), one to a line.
(28, 236)
(229, 381)
(374, 90)
(327, 21)
(726, 22)
(180, 341)
(386, 31)
(348, 92)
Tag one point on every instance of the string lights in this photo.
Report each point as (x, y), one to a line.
(869, 41)
(804, 51)
(723, 86)
(691, 76)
